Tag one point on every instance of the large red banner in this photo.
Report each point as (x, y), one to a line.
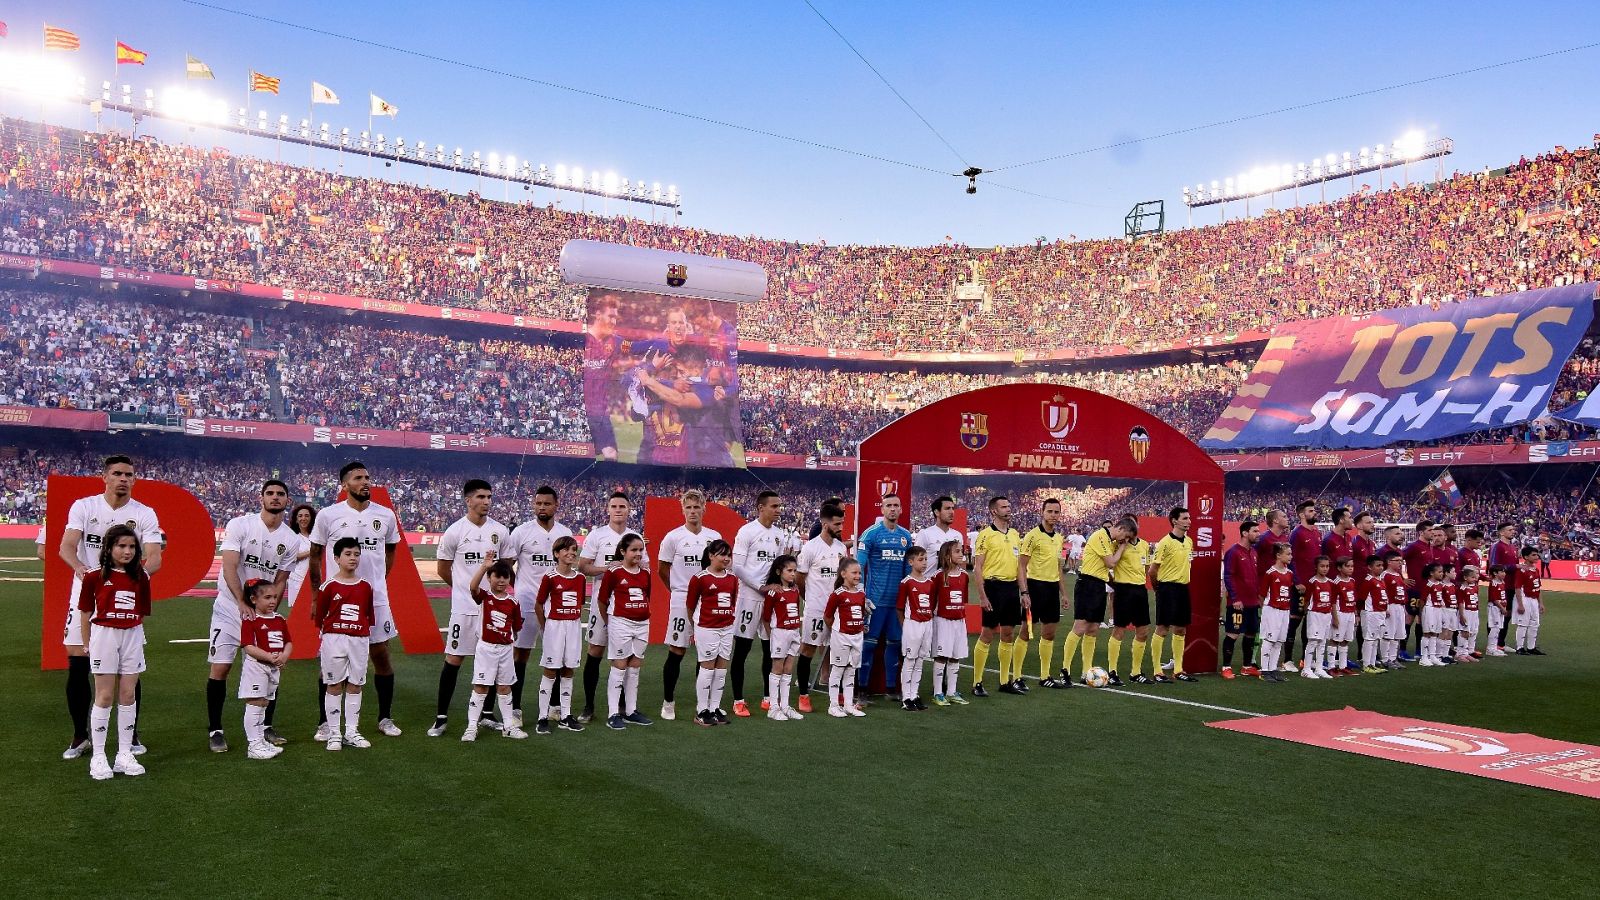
(1521, 758)
(46, 417)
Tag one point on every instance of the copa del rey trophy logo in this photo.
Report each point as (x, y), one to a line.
(1059, 416)
(1424, 739)
(887, 486)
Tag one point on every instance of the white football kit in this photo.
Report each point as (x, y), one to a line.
(600, 548)
(683, 550)
(754, 549)
(376, 529)
(263, 553)
(819, 563)
(530, 546)
(93, 516)
(465, 546)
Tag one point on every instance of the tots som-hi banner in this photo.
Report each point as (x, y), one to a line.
(1412, 374)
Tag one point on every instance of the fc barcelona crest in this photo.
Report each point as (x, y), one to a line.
(1139, 443)
(974, 430)
(887, 486)
(1059, 416)
(677, 274)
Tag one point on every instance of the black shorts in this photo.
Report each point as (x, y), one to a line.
(1297, 608)
(1172, 604)
(1005, 604)
(1130, 605)
(1089, 599)
(1044, 598)
(1243, 621)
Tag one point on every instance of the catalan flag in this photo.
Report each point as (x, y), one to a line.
(59, 39)
(264, 83)
(128, 56)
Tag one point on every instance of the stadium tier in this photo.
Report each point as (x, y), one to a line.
(206, 213)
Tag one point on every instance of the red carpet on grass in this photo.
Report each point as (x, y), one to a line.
(1521, 758)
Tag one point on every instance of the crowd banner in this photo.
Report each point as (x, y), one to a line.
(1413, 374)
(46, 417)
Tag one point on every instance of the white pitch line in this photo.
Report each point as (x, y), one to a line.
(190, 641)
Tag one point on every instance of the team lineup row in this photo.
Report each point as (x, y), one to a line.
(512, 587)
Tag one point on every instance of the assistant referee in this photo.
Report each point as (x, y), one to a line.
(995, 552)
(1040, 563)
(1102, 553)
(1169, 568)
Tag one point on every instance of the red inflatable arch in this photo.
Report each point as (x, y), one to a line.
(1058, 430)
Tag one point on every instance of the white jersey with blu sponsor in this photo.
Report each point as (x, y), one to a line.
(374, 527)
(93, 516)
(819, 562)
(263, 553)
(465, 546)
(754, 548)
(600, 548)
(932, 538)
(530, 546)
(683, 550)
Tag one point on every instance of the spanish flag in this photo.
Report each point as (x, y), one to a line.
(128, 56)
(59, 39)
(264, 83)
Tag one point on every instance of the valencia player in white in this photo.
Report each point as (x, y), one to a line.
(256, 547)
(678, 560)
(818, 566)
(87, 522)
(942, 531)
(755, 547)
(600, 554)
(532, 548)
(463, 549)
(374, 527)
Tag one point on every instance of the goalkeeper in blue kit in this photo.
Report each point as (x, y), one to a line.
(882, 554)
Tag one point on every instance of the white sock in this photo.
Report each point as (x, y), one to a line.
(254, 716)
(546, 684)
(1269, 655)
(772, 690)
(352, 714)
(1369, 654)
(99, 723)
(630, 690)
(719, 680)
(702, 688)
(566, 696)
(850, 686)
(503, 703)
(614, 690)
(330, 709)
(475, 709)
(835, 681)
(1532, 630)
(952, 678)
(782, 697)
(913, 666)
(126, 716)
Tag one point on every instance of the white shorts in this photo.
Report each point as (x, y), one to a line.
(563, 644)
(462, 638)
(1345, 631)
(785, 642)
(1496, 619)
(747, 619)
(1376, 625)
(1318, 625)
(223, 648)
(344, 658)
(1528, 616)
(713, 643)
(1471, 628)
(627, 638)
(594, 633)
(257, 680)
(916, 639)
(950, 638)
(1449, 619)
(1274, 624)
(845, 649)
(814, 627)
(1397, 622)
(382, 625)
(679, 629)
(116, 651)
(1430, 619)
(492, 664)
(528, 637)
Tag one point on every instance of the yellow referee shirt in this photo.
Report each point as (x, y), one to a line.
(1130, 568)
(1043, 550)
(1172, 559)
(999, 550)
(1095, 553)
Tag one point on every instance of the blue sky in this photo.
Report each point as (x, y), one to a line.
(1004, 83)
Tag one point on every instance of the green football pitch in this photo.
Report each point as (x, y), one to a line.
(1106, 793)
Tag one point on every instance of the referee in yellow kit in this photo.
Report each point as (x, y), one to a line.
(1169, 568)
(1040, 563)
(995, 551)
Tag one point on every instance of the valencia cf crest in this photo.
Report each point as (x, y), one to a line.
(974, 430)
(1059, 416)
(887, 486)
(677, 274)
(1139, 443)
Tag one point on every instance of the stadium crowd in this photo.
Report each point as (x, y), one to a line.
(205, 212)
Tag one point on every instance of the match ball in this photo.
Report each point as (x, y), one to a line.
(1096, 677)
